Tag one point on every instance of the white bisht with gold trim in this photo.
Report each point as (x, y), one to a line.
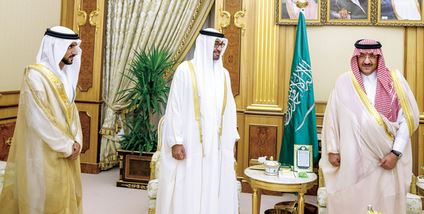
(201, 115)
(38, 177)
(354, 129)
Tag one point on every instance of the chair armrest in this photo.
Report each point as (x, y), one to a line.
(153, 164)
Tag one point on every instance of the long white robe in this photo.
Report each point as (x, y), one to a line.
(353, 132)
(38, 177)
(201, 183)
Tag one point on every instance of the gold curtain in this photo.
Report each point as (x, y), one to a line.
(140, 25)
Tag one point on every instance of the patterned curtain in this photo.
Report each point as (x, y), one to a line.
(140, 25)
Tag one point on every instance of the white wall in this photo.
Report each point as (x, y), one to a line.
(23, 23)
(331, 49)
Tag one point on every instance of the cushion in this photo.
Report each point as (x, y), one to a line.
(413, 204)
(155, 159)
(152, 188)
(322, 197)
(152, 203)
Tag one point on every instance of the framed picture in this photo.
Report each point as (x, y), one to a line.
(303, 161)
(288, 11)
(349, 12)
(400, 12)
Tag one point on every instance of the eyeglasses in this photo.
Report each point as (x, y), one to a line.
(221, 45)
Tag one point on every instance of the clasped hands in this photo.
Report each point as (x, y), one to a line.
(388, 162)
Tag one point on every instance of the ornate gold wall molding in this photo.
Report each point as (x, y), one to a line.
(89, 23)
(232, 57)
(264, 93)
(67, 13)
(414, 73)
(86, 17)
(90, 116)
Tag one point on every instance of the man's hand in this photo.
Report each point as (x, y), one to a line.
(178, 152)
(334, 159)
(75, 151)
(389, 161)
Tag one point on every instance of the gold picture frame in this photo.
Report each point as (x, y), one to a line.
(303, 161)
(347, 12)
(400, 12)
(287, 12)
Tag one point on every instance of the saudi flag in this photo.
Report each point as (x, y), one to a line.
(300, 121)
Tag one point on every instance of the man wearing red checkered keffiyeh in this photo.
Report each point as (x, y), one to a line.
(366, 150)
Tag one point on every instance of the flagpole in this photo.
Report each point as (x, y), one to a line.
(300, 117)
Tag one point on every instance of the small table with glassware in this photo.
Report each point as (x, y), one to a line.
(286, 181)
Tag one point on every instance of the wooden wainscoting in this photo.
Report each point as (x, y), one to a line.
(90, 115)
(8, 111)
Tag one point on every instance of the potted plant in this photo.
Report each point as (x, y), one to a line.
(146, 99)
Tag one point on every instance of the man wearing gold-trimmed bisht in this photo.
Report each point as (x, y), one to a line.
(197, 173)
(366, 153)
(43, 169)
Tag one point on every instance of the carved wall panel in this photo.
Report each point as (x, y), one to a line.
(85, 119)
(6, 134)
(232, 54)
(89, 116)
(262, 141)
(87, 35)
(88, 21)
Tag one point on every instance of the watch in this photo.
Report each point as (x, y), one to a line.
(397, 153)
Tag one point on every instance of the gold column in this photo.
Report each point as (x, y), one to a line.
(265, 90)
(86, 17)
(414, 73)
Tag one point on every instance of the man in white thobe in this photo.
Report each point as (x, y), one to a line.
(197, 159)
(43, 168)
(366, 149)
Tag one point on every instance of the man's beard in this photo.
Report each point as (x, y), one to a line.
(67, 61)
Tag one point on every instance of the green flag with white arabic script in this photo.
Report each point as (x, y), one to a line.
(300, 120)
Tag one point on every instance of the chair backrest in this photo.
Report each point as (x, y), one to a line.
(160, 125)
(154, 163)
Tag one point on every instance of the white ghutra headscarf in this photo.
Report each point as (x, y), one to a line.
(210, 76)
(53, 48)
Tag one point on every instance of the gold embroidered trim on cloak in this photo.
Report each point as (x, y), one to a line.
(197, 104)
(47, 111)
(224, 104)
(406, 108)
(371, 109)
(196, 101)
(58, 87)
(59, 90)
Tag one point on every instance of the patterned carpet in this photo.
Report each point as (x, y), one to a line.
(101, 196)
